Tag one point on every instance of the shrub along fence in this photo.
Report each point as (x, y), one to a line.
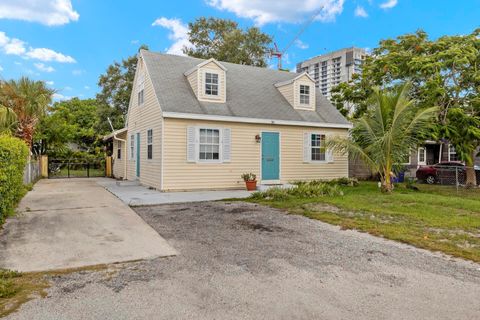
(13, 159)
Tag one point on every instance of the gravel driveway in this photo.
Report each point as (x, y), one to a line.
(243, 261)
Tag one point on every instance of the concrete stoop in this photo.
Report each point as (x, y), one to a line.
(265, 187)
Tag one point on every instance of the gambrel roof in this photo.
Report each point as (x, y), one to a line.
(251, 92)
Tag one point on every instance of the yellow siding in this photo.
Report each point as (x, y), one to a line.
(140, 119)
(221, 76)
(245, 156)
(296, 92)
(287, 92)
(119, 164)
(193, 80)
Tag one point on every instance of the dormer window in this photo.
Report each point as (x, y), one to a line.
(304, 94)
(211, 84)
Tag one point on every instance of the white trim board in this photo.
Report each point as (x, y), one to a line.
(192, 116)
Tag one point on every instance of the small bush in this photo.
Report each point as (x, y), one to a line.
(7, 285)
(301, 190)
(13, 158)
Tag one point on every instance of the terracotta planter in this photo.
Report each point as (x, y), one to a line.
(251, 185)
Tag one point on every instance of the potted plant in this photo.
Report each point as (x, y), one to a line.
(250, 181)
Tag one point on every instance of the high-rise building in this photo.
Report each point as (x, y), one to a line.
(332, 68)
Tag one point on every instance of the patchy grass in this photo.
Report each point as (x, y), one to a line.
(17, 288)
(434, 217)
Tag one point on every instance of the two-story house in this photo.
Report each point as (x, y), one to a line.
(199, 124)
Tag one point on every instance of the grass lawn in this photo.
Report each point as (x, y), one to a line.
(435, 217)
(79, 173)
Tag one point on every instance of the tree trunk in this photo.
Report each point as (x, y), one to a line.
(471, 179)
(387, 186)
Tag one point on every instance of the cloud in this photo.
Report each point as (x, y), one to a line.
(389, 4)
(48, 12)
(50, 83)
(360, 12)
(45, 54)
(301, 45)
(86, 87)
(1, 68)
(134, 41)
(17, 47)
(78, 72)
(43, 67)
(59, 97)
(291, 11)
(178, 34)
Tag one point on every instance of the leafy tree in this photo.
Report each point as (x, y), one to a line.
(388, 130)
(116, 87)
(23, 103)
(463, 131)
(71, 121)
(444, 72)
(223, 40)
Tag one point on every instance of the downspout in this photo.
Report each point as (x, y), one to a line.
(125, 153)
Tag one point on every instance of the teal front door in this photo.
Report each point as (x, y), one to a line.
(138, 154)
(270, 156)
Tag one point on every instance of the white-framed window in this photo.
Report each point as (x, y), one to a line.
(211, 84)
(119, 151)
(422, 155)
(304, 94)
(318, 150)
(407, 159)
(132, 147)
(141, 87)
(150, 144)
(452, 153)
(209, 145)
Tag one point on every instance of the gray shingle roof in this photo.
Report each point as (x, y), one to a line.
(250, 92)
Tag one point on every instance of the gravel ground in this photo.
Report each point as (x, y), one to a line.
(243, 261)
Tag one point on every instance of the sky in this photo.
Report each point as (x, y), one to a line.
(69, 44)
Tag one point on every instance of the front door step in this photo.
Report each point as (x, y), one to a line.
(265, 187)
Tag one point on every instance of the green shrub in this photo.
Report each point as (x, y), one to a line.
(13, 158)
(7, 286)
(311, 189)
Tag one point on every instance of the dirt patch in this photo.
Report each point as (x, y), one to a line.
(258, 226)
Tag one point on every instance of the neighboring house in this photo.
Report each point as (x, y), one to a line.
(199, 124)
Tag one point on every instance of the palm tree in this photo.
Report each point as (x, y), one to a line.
(384, 136)
(22, 103)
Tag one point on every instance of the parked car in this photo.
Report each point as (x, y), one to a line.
(447, 172)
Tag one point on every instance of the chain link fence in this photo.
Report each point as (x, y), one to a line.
(444, 174)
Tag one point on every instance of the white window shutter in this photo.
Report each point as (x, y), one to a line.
(226, 144)
(191, 144)
(329, 152)
(307, 140)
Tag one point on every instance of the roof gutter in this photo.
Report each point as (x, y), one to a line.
(179, 115)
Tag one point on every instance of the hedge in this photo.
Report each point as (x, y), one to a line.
(13, 158)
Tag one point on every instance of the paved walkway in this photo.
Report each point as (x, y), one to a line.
(133, 194)
(69, 223)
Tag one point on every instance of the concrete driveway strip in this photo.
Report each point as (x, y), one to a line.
(134, 194)
(70, 223)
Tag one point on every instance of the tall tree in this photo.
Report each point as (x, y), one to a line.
(463, 131)
(115, 89)
(385, 134)
(28, 101)
(223, 40)
(71, 121)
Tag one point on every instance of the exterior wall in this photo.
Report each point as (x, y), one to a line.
(119, 164)
(193, 80)
(296, 93)
(222, 82)
(140, 119)
(245, 156)
(287, 92)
